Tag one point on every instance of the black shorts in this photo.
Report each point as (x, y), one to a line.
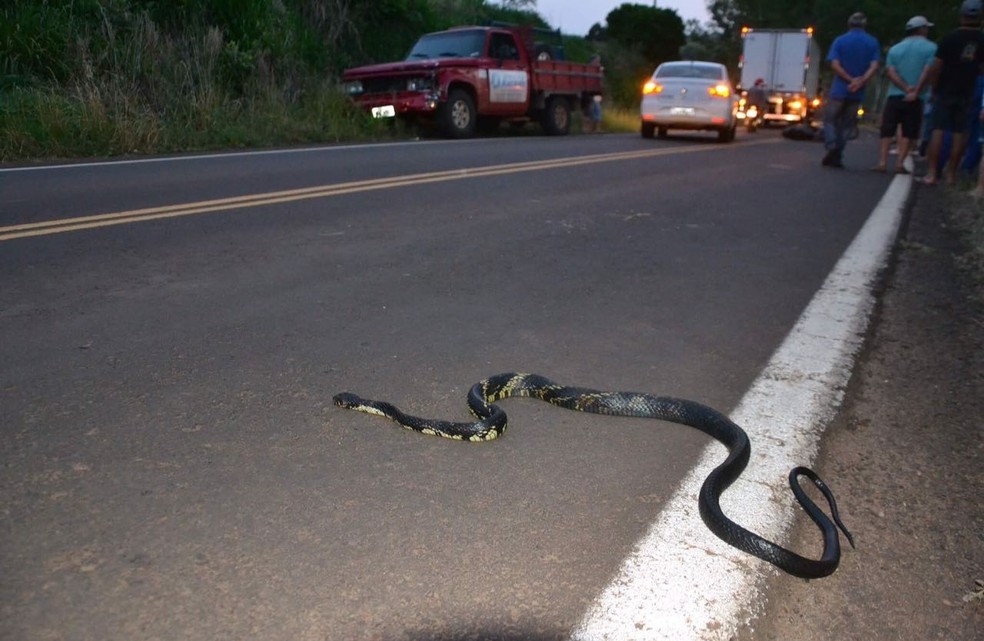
(899, 112)
(951, 113)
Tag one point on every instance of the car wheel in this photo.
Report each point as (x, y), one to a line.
(648, 130)
(727, 134)
(457, 116)
(661, 132)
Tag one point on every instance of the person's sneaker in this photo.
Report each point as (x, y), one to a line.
(832, 159)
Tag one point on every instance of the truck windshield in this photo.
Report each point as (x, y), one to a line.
(450, 44)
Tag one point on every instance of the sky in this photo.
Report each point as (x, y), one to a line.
(575, 17)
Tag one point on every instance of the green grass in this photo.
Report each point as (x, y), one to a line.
(92, 78)
(618, 120)
(98, 78)
(37, 123)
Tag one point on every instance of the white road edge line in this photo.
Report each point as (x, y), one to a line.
(683, 583)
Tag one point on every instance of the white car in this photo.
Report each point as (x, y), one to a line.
(689, 94)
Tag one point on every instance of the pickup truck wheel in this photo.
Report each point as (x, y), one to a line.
(457, 116)
(557, 117)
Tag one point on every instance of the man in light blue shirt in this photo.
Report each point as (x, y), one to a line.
(854, 58)
(907, 66)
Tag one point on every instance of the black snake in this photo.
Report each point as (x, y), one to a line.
(492, 422)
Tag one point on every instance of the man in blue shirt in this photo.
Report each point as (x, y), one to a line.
(907, 66)
(854, 58)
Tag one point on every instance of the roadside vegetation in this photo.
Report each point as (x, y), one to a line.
(112, 77)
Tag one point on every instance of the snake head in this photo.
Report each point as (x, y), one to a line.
(347, 400)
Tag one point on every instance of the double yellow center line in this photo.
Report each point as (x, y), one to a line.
(62, 225)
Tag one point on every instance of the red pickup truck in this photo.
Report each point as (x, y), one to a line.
(468, 78)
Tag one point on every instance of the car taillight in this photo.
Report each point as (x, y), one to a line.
(651, 87)
(721, 91)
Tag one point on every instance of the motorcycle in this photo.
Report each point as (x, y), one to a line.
(750, 115)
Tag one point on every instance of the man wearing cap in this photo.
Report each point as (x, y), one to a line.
(758, 96)
(907, 66)
(854, 58)
(959, 60)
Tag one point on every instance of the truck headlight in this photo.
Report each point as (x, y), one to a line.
(420, 84)
(353, 88)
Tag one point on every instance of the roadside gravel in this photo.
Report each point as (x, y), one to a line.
(906, 456)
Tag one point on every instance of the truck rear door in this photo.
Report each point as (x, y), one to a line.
(758, 50)
(790, 61)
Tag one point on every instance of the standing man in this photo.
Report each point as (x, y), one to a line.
(907, 66)
(854, 59)
(959, 60)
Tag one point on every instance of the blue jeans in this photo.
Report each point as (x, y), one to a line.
(840, 123)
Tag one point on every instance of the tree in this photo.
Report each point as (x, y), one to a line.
(886, 18)
(523, 5)
(704, 42)
(726, 15)
(694, 51)
(635, 39)
(655, 33)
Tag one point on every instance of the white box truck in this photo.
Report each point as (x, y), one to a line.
(788, 61)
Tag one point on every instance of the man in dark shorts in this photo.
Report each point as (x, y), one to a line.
(959, 60)
(907, 66)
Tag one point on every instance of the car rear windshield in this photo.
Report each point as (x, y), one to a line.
(708, 72)
(451, 44)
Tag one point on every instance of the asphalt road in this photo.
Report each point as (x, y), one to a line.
(174, 468)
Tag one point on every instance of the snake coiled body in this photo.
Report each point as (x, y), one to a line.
(491, 422)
